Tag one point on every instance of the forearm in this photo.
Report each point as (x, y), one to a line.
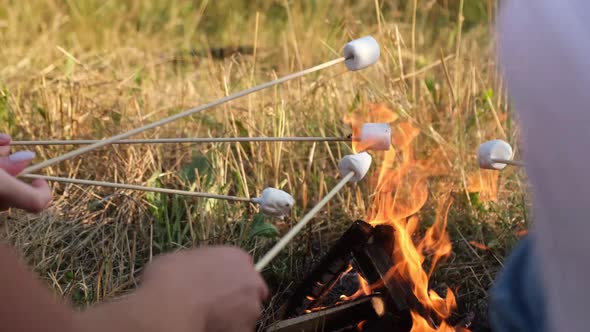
(26, 305)
(123, 315)
(139, 312)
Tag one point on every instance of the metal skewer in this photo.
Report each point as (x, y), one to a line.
(136, 187)
(107, 141)
(517, 163)
(187, 140)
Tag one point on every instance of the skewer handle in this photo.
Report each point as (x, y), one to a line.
(284, 241)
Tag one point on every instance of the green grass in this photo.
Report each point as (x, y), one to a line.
(90, 69)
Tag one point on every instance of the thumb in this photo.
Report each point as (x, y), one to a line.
(16, 162)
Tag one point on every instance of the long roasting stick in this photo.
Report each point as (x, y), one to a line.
(107, 141)
(284, 241)
(189, 140)
(136, 187)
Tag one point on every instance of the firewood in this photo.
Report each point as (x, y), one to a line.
(390, 322)
(326, 273)
(351, 313)
(374, 260)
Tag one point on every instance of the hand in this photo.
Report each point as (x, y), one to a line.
(218, 284)
(210, 289)
(14, 193)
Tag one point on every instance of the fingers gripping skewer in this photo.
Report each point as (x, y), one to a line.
(496, 154)
(358, 54)
(352, 168)
(274, 202)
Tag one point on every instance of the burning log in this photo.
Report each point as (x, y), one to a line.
(339, 317)
(369, 250)
(390, 322)
(374, 260)
(326, 273)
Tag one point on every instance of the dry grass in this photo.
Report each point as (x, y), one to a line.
(90, 69)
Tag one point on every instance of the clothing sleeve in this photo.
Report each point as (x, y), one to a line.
(544, 48)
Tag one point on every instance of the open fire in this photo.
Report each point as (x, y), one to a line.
(392, 260)
(401, 192)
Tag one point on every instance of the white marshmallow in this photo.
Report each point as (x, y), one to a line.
(361, 53)
(496, 149)
(376, 136)
(275, 202)
(358, 163)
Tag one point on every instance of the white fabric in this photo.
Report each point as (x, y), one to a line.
(361, 53)
(490, 150)
(545, 53)
(275, 202)
(358, 163)
(376, 136)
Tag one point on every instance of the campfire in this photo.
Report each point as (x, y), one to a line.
(386, 257)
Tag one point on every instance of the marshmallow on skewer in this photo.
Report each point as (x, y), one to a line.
(275, 202)
(376, 136)
(361, 53)
(358, 163)
(490, 151)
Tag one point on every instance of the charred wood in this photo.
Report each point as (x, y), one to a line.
(374, 261)
(325, 274)
(390, 322)
(366, 309)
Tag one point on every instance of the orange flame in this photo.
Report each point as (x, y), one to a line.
(401, 192)
(484, 182)
(421, 325)
(479, 245)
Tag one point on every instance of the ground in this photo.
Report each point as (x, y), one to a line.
(91, 69)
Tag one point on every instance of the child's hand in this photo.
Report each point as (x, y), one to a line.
(13, 192)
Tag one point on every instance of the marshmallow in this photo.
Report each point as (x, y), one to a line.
(376, 136)
(361, 53)
(275, 202)
(358, 163)
(490, 150)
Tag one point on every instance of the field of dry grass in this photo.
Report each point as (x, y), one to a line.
(91, 69)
